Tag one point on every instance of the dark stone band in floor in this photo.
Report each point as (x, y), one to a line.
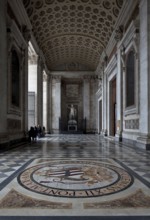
(135, 200)
(11, 177)
(145, 182)
(74, 217)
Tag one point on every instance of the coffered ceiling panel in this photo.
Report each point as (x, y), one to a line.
(72, 31)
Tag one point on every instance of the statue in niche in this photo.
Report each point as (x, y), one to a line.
(72, 113)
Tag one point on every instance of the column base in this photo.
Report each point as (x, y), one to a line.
(104, 132)
(118, 136)
(55, 131)
(143, 142)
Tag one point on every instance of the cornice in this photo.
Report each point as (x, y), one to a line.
(111, 66)
(125, 13)
(130, 34)
(16, 34)
(20, 13)
(72, 74)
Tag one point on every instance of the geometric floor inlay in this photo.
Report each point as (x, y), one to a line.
(16, 199)
(135, 200)
(83, 177)
(75, 178)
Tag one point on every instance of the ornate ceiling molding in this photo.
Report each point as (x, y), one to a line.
(79, 29)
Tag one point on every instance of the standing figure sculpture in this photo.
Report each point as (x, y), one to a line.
(72, 113)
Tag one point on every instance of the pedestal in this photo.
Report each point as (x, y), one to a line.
(72, 125)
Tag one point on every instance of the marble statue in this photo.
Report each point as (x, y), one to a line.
(72, 113)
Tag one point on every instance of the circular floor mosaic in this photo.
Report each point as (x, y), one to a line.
(75, 179)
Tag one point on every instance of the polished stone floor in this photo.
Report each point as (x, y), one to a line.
(82, 176)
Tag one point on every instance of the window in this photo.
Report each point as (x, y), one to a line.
(15, 80)
(130, 79)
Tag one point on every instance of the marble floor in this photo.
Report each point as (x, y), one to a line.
(75, 177)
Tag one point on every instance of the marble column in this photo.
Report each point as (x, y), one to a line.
(45, 101)
(40, 92)
(119, 97)
(99, 106)
(27, 36)
(143, 140)
(86, 103)
(93, 106)
(49, 104)
(104, 110)
(56, 103)
(3, 72)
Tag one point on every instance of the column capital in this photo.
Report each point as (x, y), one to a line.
(40, 62)
(55, 79)
(119, 33)
(45, 77)
(26, 34)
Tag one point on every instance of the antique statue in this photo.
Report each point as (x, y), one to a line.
(72, 113)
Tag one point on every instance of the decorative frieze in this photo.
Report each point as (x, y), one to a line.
(55, 77)
(132, 124)
(91, 77)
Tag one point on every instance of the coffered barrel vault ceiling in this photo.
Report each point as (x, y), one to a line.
(71, 32)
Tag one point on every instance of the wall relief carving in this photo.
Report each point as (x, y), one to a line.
(72, 90)
(132, 124)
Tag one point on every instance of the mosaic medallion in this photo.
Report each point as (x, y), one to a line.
(75, 179)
